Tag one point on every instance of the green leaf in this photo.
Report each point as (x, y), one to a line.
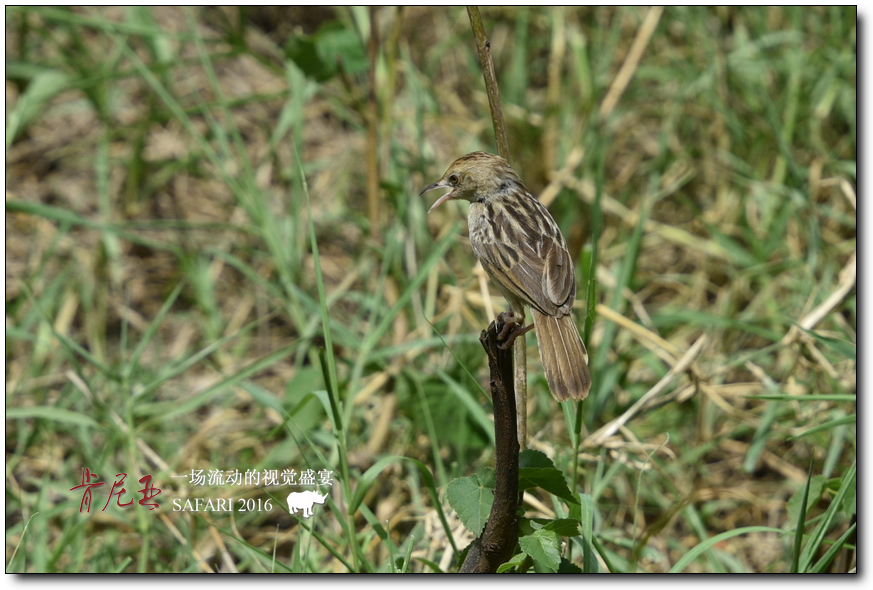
(568, 567)
(304, 415)
(851, 419)
(565, 527)
(51, 413)
(531, 458)
(471, 498)
(342, 47)
(302, 51)
(850, 504)
(820, 567)
(544, 548)
(588, 506)
(516, 561)
(823, 526)
(795, 504)
(320, 56)
(843, 347)
(44, 84)
(801, 519)
(537, 471)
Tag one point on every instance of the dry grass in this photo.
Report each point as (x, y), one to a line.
(162, 304)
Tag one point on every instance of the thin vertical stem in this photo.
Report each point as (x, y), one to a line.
(483, 46)
(519, 349)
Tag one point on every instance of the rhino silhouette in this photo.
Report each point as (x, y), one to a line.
(304, 501)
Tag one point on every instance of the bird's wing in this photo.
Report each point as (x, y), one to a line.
(530, 259)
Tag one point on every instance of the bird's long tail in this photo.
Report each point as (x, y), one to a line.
(564, 357)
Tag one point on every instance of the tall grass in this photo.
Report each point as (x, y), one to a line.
(196, 280)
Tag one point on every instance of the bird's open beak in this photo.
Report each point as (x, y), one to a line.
(442, 199)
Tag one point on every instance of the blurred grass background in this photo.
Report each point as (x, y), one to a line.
(216, 259)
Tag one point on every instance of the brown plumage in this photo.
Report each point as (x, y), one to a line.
(521, 247)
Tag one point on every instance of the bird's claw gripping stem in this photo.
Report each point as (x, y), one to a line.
(512, 329)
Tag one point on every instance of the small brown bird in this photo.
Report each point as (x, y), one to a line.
(521, 247)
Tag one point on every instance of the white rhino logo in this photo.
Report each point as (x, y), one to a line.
(304, 501)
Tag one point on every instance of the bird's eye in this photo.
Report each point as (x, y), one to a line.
(453, 179)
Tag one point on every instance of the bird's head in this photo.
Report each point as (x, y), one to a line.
(478, 176)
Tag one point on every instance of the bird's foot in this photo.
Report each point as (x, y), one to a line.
(512, 328)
